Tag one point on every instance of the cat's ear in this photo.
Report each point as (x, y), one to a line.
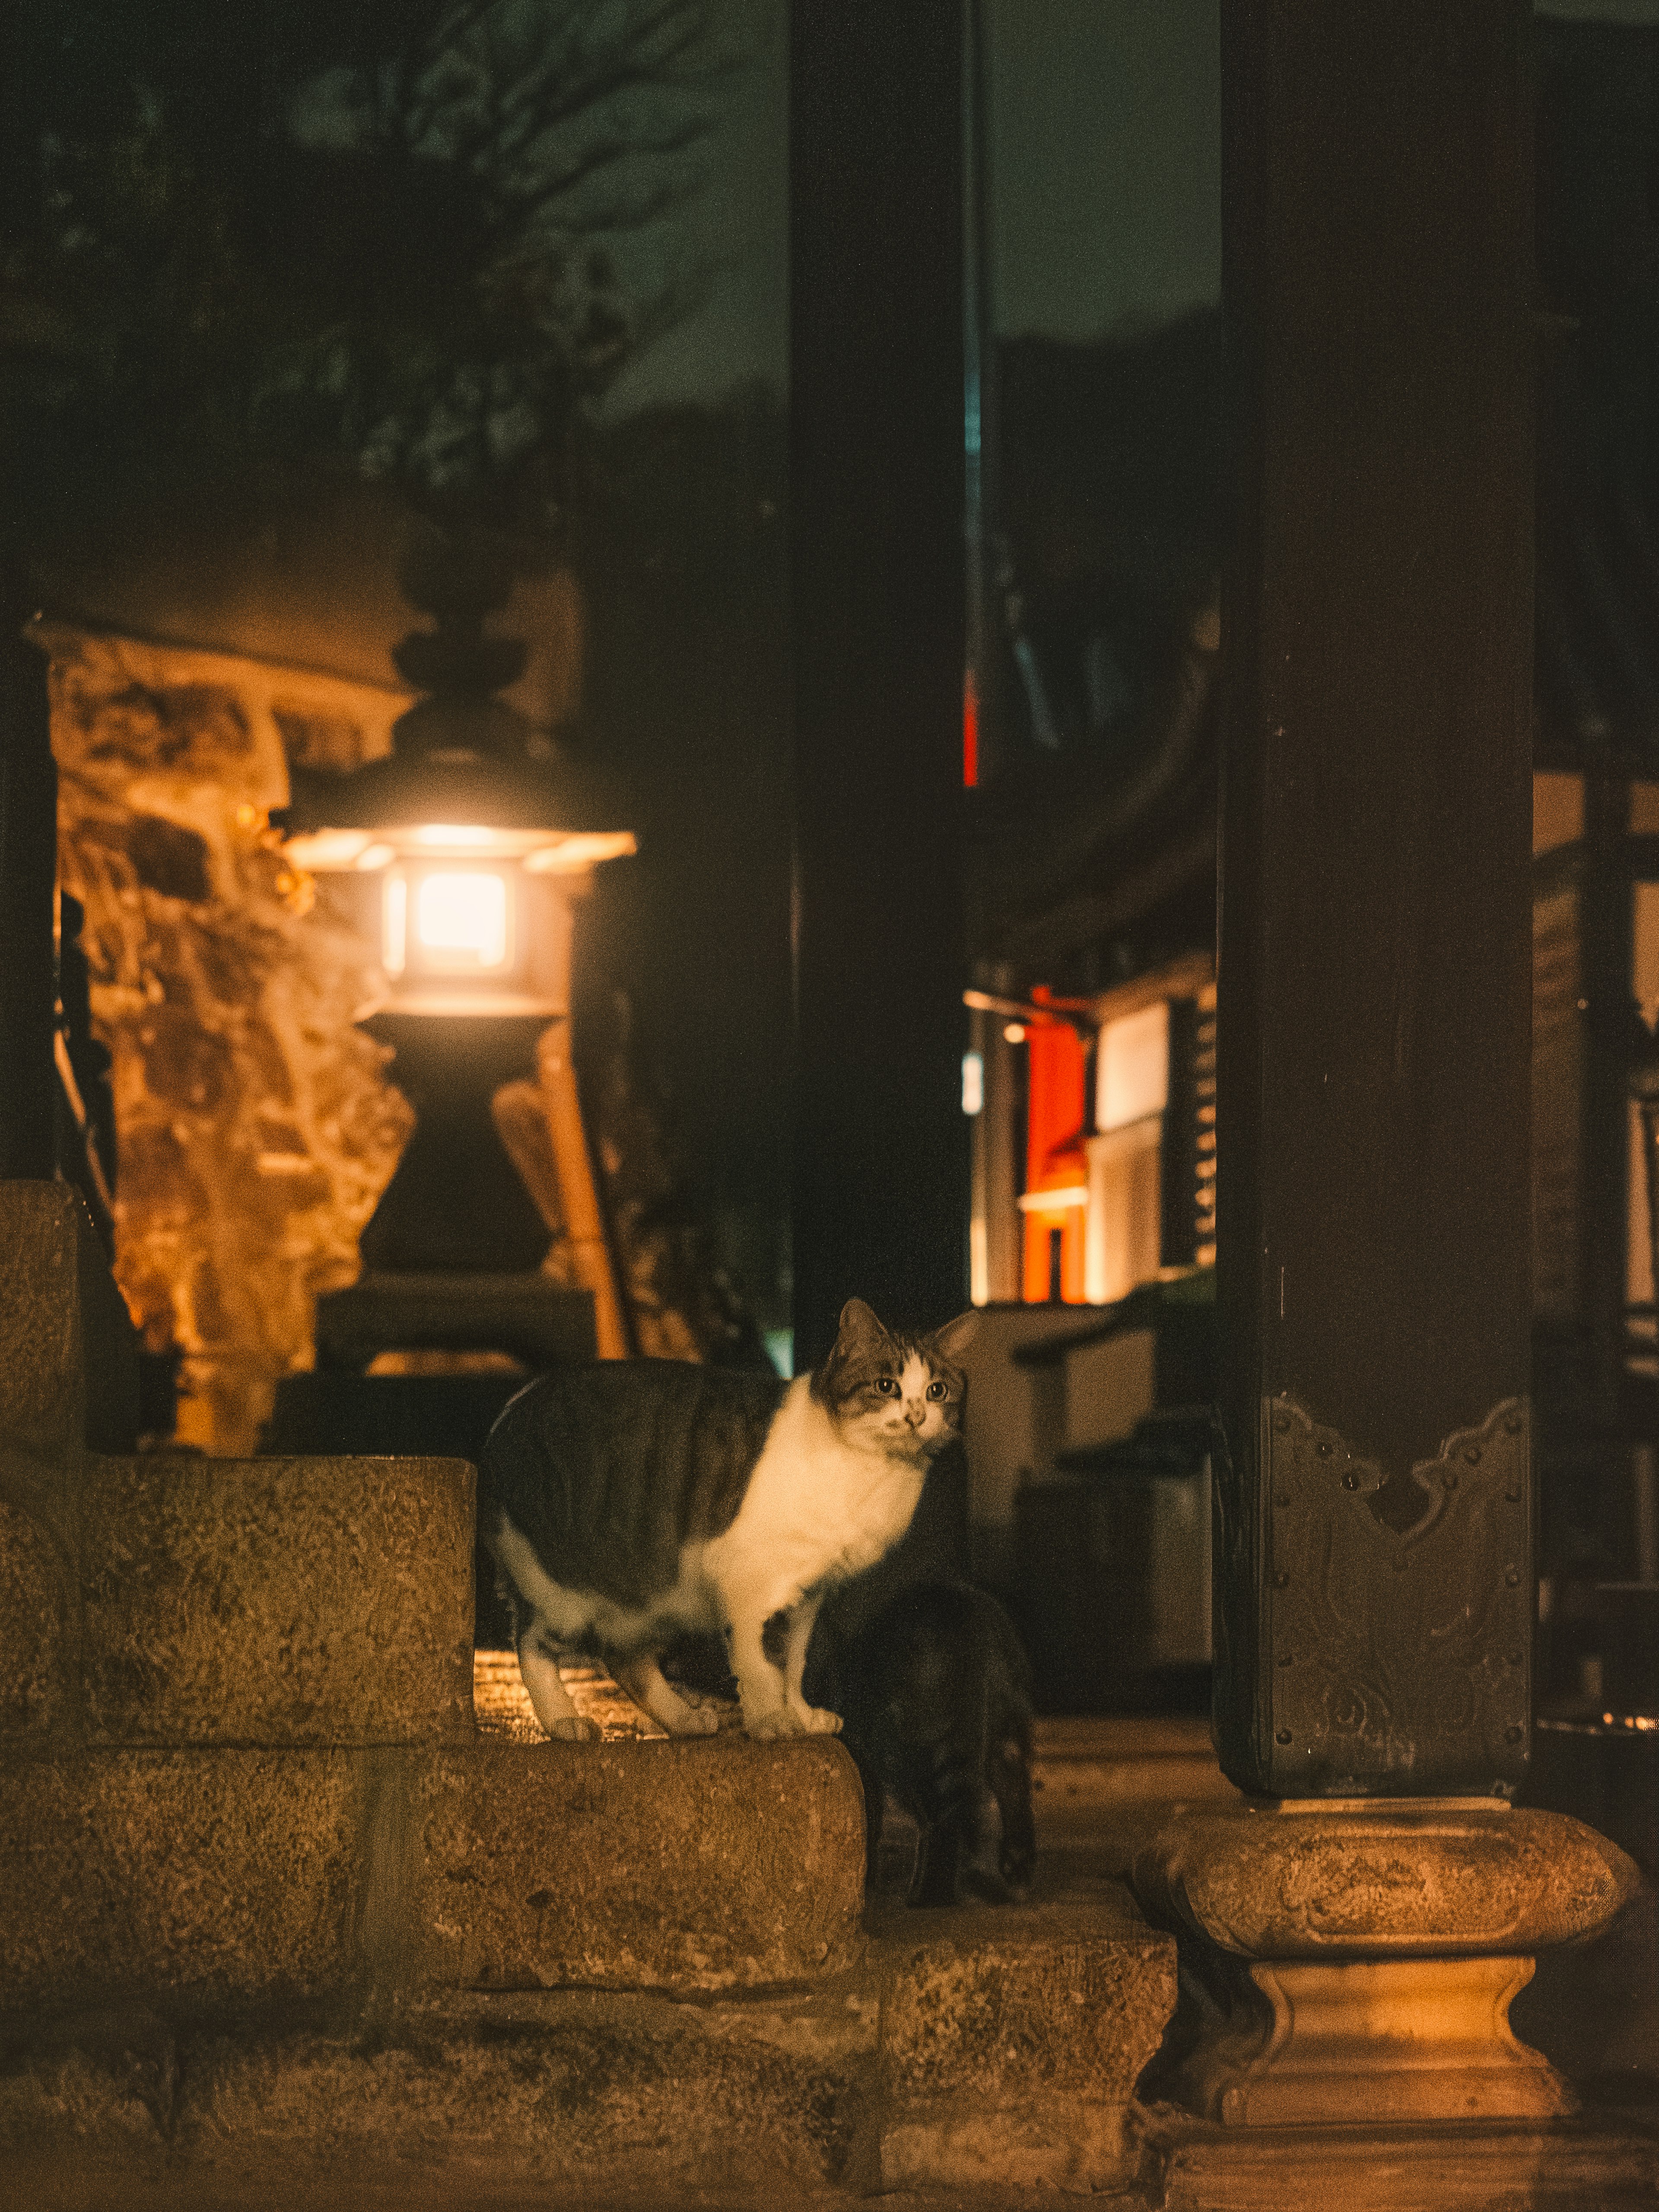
(954, 1337)
(858, 1320)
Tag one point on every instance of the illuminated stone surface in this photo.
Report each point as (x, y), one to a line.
(1011, 2042)
(701, 1865)
(257, 1126)
(1362, 1958)
(1380, 1881)
(277, 1602)
(229, 1874)
(32, 1657)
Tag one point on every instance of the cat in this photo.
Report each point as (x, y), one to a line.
(630, 1503)
(935, 1697)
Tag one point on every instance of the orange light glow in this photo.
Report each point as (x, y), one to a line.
(1054, 1120)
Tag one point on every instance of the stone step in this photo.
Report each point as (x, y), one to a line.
(959, 2050)
(213, 1877)
(1011, 2039)
(282, 1602)
(1085, 1764)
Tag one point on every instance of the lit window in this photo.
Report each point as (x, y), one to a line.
(973, 1083)
(460, 919)
(1132, 1067)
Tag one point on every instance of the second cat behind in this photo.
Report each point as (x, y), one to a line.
(631, 1501)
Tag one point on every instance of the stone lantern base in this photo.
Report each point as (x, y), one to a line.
(1352, 1963)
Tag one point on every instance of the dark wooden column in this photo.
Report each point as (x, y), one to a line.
(28, 875)
(1374, 1575)
(877, 600)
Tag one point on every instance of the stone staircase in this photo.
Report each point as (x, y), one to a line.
(279, 1924)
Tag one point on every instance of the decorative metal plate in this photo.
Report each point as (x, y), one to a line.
(1397, 1611)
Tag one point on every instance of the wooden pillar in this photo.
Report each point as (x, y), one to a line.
(28, 875)
(881, 1163)
(1374, 1571)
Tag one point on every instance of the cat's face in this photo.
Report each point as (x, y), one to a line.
(896, 1394)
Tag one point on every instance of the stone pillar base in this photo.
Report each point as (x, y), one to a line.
(1353, 1964)
(1374, 2040)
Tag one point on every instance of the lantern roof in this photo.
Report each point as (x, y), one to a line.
(467, 772)
(549, 812)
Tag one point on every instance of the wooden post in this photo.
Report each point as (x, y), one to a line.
(1374, 1573)
(881, 1165)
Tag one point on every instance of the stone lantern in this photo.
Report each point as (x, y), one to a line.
(462, 857)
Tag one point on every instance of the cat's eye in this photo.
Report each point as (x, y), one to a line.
(937, 1391)
(888, 1385)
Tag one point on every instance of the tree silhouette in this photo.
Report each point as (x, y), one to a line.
(423, 236)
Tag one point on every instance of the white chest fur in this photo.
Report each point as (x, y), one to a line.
(817, 1509)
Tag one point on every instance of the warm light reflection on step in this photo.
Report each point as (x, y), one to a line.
(502, 1704)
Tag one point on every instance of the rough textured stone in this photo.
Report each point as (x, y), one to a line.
(41, 1391)
(69, 1355)
(1369, 2042)
(101, 2084)
(634, 2093)
(1012, 2041)
(224, 1873)
(708, 1864)
(279, 1602)
(1445, 1881)
(257, 1126)
(33, 1624)
(1448, 2168)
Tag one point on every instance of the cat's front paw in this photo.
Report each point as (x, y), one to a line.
(776, 1721)
(575, 1729)
(817, 1720)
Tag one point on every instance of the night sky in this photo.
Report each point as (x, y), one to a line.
(1106, 186)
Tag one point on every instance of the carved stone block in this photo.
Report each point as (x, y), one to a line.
(1355, 1965)
(1372, 2041)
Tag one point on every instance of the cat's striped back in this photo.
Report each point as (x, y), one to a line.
(610, 1470)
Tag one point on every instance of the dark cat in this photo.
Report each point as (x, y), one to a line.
(935, 1699)
(632, 1502)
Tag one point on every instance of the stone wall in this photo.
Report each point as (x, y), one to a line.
(257, 1126)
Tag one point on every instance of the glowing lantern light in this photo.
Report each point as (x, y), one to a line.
(462, 856)
(460, 921)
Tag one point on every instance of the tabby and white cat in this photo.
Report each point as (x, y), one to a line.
(632, 1502)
